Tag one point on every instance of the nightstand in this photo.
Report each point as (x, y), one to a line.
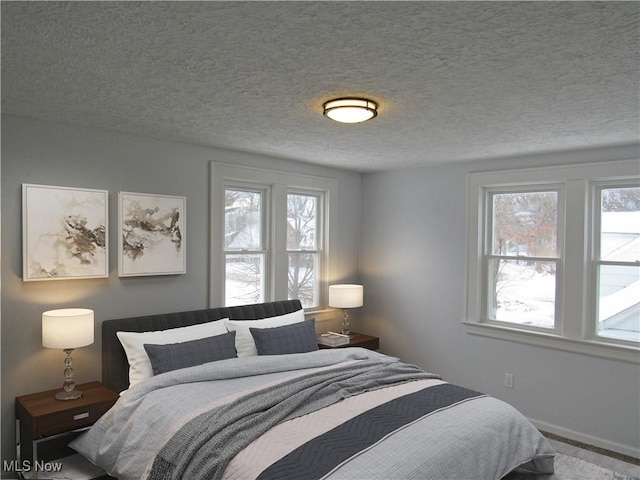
(42, 418)
(359, 340)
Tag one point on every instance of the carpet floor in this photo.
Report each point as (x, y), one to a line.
(574, 462)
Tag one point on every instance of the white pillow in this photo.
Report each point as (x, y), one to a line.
(245, 345)
(133, 344)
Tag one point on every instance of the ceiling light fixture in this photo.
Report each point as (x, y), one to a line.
(350, 110)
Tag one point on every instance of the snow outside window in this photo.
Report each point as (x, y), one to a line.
(271, 236)
(244, 246)
(617, 262)
(304, 247)
(522, 258)
(554, 257)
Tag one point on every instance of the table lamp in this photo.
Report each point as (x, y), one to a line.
(67, 329)
(345, 297)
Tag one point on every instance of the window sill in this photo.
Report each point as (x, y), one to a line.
(321, 314)
(594, 348)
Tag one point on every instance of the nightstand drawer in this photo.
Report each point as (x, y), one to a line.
(71, 419)
(44, 416)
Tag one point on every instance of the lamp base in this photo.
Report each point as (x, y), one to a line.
(72, 395)
(346, 328)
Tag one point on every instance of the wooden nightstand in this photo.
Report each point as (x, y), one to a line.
(42, 418)
(359, 340)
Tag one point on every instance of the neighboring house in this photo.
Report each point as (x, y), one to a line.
(619, 303)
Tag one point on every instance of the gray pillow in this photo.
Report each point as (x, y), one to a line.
(295, 338)
(172, 356)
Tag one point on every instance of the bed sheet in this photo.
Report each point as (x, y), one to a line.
(477, 437)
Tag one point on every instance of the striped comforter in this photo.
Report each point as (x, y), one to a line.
(335, 414)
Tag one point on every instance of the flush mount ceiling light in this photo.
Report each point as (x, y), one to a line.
(350, 110)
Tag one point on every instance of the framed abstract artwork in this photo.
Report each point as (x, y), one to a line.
(64, 233)
(151, 238)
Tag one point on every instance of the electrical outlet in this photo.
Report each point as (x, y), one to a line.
(508, 380)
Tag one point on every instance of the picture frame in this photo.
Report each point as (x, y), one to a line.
(65, 233)
(151, 234)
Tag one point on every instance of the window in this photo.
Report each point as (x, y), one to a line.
(304, 247)
(554, 257)
(244, 246)
(271, 234)
(522, 257)
(617, 262)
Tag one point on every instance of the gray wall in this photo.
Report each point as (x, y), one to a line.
(413, 267)
(407, 228)
(53, 154)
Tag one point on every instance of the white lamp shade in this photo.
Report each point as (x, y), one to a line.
(67, 328)
(346, 296)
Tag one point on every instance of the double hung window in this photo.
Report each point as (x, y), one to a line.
(304, 246)
(523, 256)
(245, 245)
(271, 236)
(616, 260)
(554, 257)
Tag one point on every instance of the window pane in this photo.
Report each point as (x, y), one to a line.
(620, 225)
(619, 302)
(242, 220)
(302, 222)
(525, 224)
(244, 279)
(522, 292)
(303, 281)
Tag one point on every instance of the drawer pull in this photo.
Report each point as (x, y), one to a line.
(80, 416)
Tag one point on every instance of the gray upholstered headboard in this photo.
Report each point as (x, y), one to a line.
(115, 367)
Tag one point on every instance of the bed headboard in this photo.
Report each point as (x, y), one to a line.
(115, 367)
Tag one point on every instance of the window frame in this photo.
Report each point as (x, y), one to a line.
(574, 331)
(278, 185)
(595, 261)
(265, 244)
(320, 240)
(488, 254)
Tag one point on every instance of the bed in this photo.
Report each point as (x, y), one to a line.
(243, 392)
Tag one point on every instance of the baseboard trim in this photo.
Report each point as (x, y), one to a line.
(585, 438)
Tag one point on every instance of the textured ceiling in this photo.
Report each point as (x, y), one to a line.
(455, 80)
